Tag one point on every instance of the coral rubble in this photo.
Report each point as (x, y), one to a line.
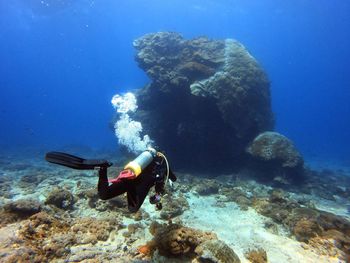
(44, 238)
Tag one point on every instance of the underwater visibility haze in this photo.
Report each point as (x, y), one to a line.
(247, 102)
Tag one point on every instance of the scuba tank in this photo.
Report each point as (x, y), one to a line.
(141, 161)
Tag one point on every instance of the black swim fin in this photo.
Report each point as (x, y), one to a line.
(75, 162)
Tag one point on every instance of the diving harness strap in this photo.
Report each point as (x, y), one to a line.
(160, 183)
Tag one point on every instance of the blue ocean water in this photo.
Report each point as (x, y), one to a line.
(63, 60)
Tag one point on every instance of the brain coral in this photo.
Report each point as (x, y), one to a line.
(272, 146)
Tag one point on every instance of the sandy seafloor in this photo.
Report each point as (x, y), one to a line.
(240, 229)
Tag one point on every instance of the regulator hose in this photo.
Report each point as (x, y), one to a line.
(167, 167)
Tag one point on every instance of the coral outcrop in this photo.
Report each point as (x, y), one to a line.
(209, 96)
(277, 154)
(272, 146)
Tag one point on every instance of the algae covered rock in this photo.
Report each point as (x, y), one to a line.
(61, 198)
(207, 100)
(173, 206)
(51, 237)
(305, 229)
(178, 240)
(216, 251)
(90, 230)
(48, 236)
(23, 207)
(18, 210)
(256, 256)
(207, 187)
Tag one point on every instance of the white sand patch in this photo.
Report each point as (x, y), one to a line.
(339, 207)
(243, 230)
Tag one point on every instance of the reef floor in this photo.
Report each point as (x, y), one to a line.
(53, 214)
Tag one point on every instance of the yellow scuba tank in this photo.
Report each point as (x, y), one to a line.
(141, 161)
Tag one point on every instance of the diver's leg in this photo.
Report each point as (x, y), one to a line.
(106, 191)
(139, 190)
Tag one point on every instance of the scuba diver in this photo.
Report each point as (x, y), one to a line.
(150, 168)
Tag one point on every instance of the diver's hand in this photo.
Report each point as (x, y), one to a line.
(127, 174)
(124, 175)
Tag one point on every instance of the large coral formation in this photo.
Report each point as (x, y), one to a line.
(209, 96)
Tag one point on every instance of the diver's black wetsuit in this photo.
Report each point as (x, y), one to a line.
(138, 188)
